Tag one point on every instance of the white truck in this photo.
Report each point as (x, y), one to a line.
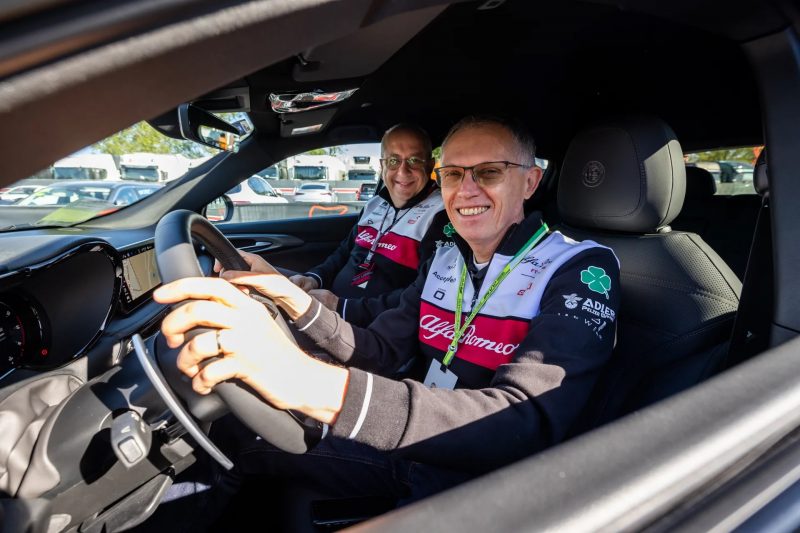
(152, 167)
(363, 167)
(86, 167)
(315, 167)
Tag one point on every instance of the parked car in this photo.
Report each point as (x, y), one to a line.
(12, 195)
(89, 443)
(315, 193)
(113, 193)
(366, 191)
(255, 190)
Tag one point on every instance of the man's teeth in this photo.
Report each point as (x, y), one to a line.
(472, 210)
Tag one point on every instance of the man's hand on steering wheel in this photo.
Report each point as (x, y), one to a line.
(265, 279)
(246, 344)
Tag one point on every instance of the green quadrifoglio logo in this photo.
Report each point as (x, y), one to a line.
(449, 230)
(597, 280)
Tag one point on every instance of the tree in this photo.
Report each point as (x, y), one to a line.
(331, 150)
(734, 154)
(141, 137)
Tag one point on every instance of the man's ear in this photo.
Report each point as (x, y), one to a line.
(533, 177)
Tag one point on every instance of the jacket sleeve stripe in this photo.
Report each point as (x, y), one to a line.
(364, 408)
(316, 316)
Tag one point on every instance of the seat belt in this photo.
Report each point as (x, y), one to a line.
(751, 328)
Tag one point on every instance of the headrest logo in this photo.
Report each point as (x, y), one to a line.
(593, 174)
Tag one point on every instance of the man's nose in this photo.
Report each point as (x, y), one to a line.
(468, 187)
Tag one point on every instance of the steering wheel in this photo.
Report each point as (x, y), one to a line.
(176, 259)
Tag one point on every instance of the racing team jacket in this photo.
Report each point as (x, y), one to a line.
(409, 243)
(525, 366)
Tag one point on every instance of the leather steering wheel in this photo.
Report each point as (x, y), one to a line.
(176, 259)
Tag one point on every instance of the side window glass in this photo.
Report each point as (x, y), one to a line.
(731, 169)
(321, 182)
(257, 185)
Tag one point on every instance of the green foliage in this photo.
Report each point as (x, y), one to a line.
(141, 137)
(733, 154)
(331, 150)
(437, 153)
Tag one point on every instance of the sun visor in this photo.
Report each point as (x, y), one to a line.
(306, 123)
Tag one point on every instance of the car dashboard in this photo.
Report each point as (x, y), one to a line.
(71, 299)
(62, 292)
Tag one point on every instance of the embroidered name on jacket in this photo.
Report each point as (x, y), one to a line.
(399, 244)
(495, 334)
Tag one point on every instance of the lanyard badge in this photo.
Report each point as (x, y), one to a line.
(459, 330)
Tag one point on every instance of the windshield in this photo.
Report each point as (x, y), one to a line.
(104, 177)
(361, 175)
(139, 173)
(78, 173)
(309, 173)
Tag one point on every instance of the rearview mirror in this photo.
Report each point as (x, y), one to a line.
(200, 126)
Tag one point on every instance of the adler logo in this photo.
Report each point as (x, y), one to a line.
(435, 327)
(598, 309)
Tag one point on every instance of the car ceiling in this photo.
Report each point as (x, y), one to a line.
(554, 65)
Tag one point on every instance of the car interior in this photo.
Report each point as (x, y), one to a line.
(692, 424)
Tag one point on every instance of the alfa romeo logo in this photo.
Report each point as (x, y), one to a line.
(593, 173)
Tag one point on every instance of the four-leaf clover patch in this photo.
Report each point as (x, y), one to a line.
(449, 230)
(597, 280)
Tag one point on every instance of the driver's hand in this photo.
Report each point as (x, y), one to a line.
(307, 283)
(251, 345)
(256, 262)
(265, 279)
(326, 298)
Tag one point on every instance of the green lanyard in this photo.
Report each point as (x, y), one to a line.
(458, 332)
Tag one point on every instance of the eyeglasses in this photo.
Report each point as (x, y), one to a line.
(484, 174)
(394, 162)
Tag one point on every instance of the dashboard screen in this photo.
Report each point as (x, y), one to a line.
(140, 274)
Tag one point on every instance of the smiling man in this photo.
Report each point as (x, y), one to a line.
(397, 231)
(513, 325)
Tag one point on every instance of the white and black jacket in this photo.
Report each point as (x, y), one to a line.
(525, 370)
(413, 238)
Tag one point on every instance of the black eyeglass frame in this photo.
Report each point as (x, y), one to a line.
(440, 181)
(405, 160)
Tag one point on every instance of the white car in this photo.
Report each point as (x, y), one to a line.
(255, 190)
(315, 193)
(15, 194)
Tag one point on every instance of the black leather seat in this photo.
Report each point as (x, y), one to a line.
(699, 208)
(621, 185)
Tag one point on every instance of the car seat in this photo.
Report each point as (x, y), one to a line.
(621, 184)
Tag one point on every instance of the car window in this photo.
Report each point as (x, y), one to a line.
(138, 159)
(337, 171)
(257, 185)
(732, 168)
(126, 196)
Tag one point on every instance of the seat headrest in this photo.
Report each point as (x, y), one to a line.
(760, 177)
(700, 185)
(625, 174)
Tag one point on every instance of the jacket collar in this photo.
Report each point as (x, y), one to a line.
(515, 238)
(421, 195)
